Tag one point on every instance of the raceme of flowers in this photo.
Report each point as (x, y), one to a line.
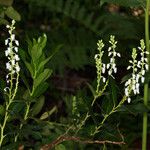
(98, 59)
(139, 69)
(111, 66)
(111, 52)
(11, 53)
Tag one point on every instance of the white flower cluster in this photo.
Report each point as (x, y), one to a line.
(111, 52)
(11, 53)
(139, 69)
(98, 59)
(102, 67)
(111, 66)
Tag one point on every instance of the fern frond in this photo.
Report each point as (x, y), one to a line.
(73, 10)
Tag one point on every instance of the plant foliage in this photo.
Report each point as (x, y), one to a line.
(126, 3)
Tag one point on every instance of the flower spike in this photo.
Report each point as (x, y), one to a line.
(139, 69)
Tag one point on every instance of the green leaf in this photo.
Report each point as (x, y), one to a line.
(26, 95)
(135, 109)
(40, 89)
(28, 65)
(42, 77)
(41, 65)
(17, 107)
(37, 107)
(6, 2)
(138, 108)
(36, 135)
(15, 111)
(30, 68)
(12, 13)
(23, 54)
(3, 21)
(125, 3)
(23, 77)
(125, 78)
(36, 53)
(107, 104)
(60, 147)
(91, 89)
(37, 49)
(42, 41)
(49, 113)
(29, 42)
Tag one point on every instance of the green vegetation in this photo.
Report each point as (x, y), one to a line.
(74, 75)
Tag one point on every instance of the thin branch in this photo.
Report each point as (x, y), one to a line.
(63, 138)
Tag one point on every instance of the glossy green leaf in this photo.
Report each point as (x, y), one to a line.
(42, 77)
(37, 49)
(43, 60)
(23, 54)
(30, 68)
(40, 89)
(42, 41)
(29, 42)
(41, 65)
(12, 13)
(49, 113)
(36, 53)
(26, 82)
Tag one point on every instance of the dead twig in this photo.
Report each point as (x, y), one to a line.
(63, 138)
